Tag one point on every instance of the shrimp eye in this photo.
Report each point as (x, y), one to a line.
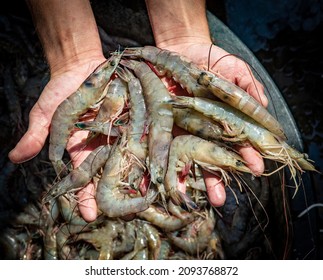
(113, 63)
(203, 79)
(159, 180)
(239, 163)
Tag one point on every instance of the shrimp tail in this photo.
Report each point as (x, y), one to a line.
(179, 102)
(183, 200)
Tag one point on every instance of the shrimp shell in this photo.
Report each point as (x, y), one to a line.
(68, 112)
(81, 175)
(137, 148)
(183, 70)
(160, 120)
(187, 149)
(109, 199)
(263, 140)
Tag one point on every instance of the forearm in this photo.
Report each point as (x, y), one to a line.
(180, 21)
(67, 31)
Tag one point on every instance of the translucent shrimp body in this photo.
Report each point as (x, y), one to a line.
(136, 147)
(160, 120)
(197, 242)
(266, 142)
(198, 124)
(81, 175)
(68, 112)
(197, 81)
(188, 149)
(110, 200)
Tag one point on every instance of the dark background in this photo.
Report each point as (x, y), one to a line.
(288, 46)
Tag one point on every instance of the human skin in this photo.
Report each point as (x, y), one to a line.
(181, 26)
(71, 44)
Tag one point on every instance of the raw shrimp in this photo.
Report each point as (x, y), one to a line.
(139, 247)
(200, 125)
(163, 220)
(68, 112)
(110, 200)
(136, 147)
(81, 175)
(188, 149)
(103, 238)
(154, 241)
(198, 237)
(113, 104)
(160, 121)
(74, 225)
(171, 64)
(180, 68)
(238, 123)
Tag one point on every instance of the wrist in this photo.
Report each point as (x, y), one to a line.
(178, 22)
(68, 58)
(67, 31)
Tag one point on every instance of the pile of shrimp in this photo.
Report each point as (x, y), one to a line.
(140, 170)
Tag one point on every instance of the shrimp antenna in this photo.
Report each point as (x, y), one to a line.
(209, 57)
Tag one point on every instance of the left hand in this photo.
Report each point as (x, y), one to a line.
(236, 71)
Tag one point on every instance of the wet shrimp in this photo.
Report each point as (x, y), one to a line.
(136, 147)
(68, 112)
(199, 125)
(110, 200)
(197, 81)
(240, 124)
(160, 218)
(188, 149)
(259, 137)
(198, 235)
(103, 238)
(160, 121)
(81, 175)
(112, 106)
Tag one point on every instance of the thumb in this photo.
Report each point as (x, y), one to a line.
(34, 139)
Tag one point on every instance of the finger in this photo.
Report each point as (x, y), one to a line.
(251, 85)
(253, 159)
(87, 204)
(215, 189)
(34, 139)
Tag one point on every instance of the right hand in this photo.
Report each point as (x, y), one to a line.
(61, 85)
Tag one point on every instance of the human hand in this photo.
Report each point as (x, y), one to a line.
(235, 70)
(63, 83)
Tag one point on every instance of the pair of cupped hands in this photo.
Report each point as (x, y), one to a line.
(66, 79)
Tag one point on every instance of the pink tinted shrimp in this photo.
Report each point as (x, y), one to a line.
(198, 81)
(68, 112)
(160, 120)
